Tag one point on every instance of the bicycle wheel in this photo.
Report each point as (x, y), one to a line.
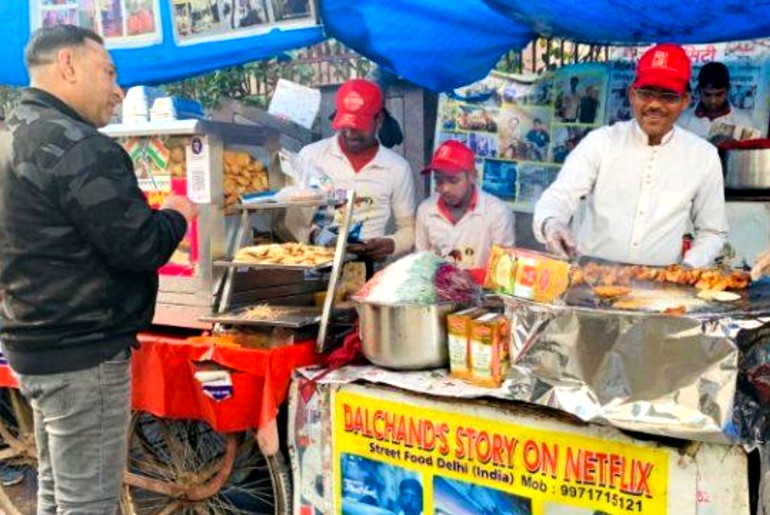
(185, 467)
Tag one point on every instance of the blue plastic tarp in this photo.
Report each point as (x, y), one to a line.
(158, 63)
(444, 44)
(438, 44)
(629, 22)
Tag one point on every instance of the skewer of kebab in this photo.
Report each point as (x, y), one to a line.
(713, 279)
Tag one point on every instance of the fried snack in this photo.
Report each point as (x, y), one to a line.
(629, 304)
(718, 295)
(675, 310)
(289, 254)
(701, 278)
(242, 174)
(611, 292)
(353, 279)
(260, 312)
(177, 155)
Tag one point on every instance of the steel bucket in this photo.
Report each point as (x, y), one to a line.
(747, 169)
(404, 336)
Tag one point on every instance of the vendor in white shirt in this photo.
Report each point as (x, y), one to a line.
(713, 106)
(353, 159)
(459, 221)
(646, 182)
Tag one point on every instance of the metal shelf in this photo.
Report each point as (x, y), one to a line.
(226, 263)
(262, 206)
(288, 316)
(225, 291)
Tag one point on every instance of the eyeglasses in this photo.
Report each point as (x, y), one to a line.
(666, 97)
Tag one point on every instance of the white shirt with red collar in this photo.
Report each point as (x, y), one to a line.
(701, 125)
(385, 192)
(468, 241)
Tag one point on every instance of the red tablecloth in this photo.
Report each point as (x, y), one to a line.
(164, 383)
(6, 378)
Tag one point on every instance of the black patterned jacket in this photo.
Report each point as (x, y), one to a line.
(79, 246)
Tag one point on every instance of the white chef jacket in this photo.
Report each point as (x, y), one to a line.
(468, 242)
(702, 125)
(641, 199)
(384, 187)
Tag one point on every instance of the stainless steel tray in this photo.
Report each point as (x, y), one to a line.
(226, 263)
(261, 206)
(288, 316)
(754, 301)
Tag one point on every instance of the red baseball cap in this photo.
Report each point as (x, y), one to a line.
(359, 101)
(452, 157)
(664, 66)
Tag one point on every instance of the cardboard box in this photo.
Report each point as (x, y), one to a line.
(527, 274)
(501, 270)
(489, 356)
(459, 326)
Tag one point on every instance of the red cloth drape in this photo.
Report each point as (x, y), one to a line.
(164, 383)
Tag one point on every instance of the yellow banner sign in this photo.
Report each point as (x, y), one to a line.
(392, 457)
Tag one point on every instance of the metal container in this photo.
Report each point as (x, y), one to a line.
(185, 297)
(404, 336)
(747, 169)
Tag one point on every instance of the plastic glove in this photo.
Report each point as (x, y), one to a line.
(761, 266)
(558, 239)
(324, 236)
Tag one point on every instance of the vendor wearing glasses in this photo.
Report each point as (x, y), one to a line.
(646, 182)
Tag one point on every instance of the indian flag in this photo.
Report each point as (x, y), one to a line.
(158, 153)
(134, 148)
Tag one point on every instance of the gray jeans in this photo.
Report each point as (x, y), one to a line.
(81, 429)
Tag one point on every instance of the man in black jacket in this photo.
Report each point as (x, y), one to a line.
(79, 250)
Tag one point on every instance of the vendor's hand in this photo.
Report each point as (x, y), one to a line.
(558, 239)
(378, 248)
(356, 248)
(182, 205)
(761, 266)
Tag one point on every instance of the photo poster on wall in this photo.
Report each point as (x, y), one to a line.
(122, 23)
(522, 127)
(196, 21)
(128, 23)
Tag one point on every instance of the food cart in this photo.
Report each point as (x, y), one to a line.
(198, 157)
(665, 369)
(478, 456)
(608, 407)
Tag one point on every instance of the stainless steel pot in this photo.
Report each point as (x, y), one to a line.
(747, 169)
(404, 336)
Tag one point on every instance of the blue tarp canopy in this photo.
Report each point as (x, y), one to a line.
(443, 44)
(158, 63)
(438, 44)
